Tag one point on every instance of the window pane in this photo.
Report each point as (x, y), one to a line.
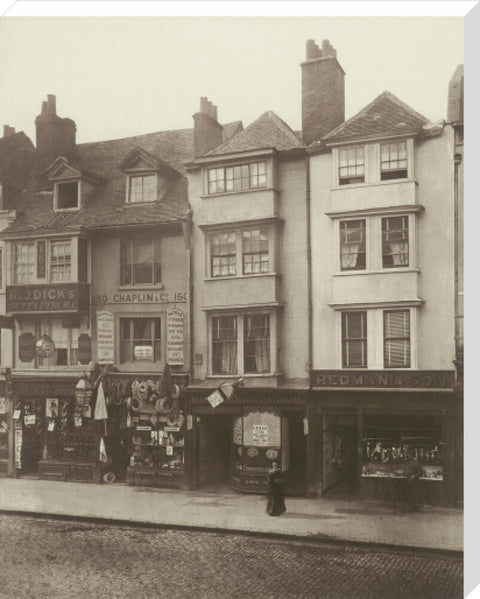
(354, 339)
(395, 241)
(139, 332)
(397, 339)
(352, 245)
(351, 165)
(224, 345)
(256, 342)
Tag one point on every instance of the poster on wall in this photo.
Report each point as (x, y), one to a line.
(105, 339)
(260, 434)
(238, 431)
(18, 448)
(175, 355)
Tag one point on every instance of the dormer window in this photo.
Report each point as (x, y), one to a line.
(67, 195)
(142, 188)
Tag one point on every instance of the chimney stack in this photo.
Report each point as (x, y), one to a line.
(55, 136)
(323, 91)
(8, 131)
(207, 131)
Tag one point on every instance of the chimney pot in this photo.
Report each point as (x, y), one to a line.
(51, 104)
(207, 131)
(313, 50)
(7, 130)
(44, 107)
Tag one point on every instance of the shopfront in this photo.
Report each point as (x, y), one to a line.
(375, 423)
(236, 442)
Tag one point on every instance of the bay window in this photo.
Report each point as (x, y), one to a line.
(241, 344)
(242, 251)
(237, 178)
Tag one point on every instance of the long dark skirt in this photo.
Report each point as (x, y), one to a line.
(276, 498)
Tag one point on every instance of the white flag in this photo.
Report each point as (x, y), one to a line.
(100, 406)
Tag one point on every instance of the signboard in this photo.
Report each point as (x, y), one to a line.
(41, 261)
(147, 297)
(26, 347)
(84, 349)
(383, 379)
(143, 352)
(45, 347)
(215, 398)
(59, 297)
(175, 355)
(105, 338)
(260, 434)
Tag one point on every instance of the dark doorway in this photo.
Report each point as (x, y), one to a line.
(29, 436)
(214, 446)
(296, 482)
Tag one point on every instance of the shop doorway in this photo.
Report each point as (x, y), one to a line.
(29, 433)
(214, 446)
(297, 452)
(340, 456)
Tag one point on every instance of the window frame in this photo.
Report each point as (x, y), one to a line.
(241, 319)
(156, 244)
(141, 175)
(346, 340)
(248, 182)
(392, 174)
(238, 265)
(56, 191)
(405, 338)
(156, 342)
(385, 243)
(354, 179)
(51, 244)
(342, 243)
(30, 279)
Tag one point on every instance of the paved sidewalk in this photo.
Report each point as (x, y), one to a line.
(320, 518)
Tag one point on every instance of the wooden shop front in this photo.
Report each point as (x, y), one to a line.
(374, 422)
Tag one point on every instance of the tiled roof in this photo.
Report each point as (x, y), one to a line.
(386, 115)
(106, 206)
(268, 131)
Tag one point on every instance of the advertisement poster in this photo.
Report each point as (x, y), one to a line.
(18, 448)
(105, 347)
(175, 355)
(260, 434)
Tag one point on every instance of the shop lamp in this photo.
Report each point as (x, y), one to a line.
(83, 391)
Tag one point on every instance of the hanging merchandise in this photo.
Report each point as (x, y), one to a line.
(103, 452)
(100, 406)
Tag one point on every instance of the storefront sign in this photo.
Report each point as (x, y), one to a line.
(380, 379)
(157, 297)
(60, 297)
(105, 339)
(143, 352)
(175, 338)
(260, 434)
(41, 261)
(26, 347)
(84, 349)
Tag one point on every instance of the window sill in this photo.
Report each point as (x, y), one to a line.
(374, 184)
(147, 203)
(143, 287)
(75, 209)
(234, 193)
(384, 271)
(233, 277)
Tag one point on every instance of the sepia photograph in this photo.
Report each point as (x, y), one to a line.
(232, 302)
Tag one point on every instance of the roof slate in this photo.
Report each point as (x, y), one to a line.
(106, 206)
(384, 116)
(268, 131)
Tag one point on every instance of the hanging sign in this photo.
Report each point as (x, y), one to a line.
(175, 338)
(45, 347)
(105, 346)
(29, 419)
(215, 398)
(84, 349)
(16, 414)
(51, 407)
(26, 347)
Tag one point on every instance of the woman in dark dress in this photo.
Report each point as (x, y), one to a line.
(276, 500)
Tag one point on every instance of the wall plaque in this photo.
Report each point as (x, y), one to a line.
(26, 347)
(175, 337)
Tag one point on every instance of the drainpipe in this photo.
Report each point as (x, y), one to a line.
(457, 160)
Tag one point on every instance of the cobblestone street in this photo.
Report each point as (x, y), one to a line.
(51, 558)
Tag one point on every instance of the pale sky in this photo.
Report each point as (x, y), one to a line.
(122, 76)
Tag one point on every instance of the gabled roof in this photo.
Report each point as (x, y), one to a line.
(386, 115)
(106, 206)
(268, 131)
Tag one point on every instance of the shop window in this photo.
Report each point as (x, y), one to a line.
(67, 195)
(140, 262)
(395, 241)
(255, 252)
(66, 344)
(224, 345)
(241, 344)
(393, 160)
(142, 188)
(23, 262)
(396, 338)
(60, 261)
(140, 339)
(223, 254)
(352, 244)
(237, 178)
(354, 339)
(351, 167)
